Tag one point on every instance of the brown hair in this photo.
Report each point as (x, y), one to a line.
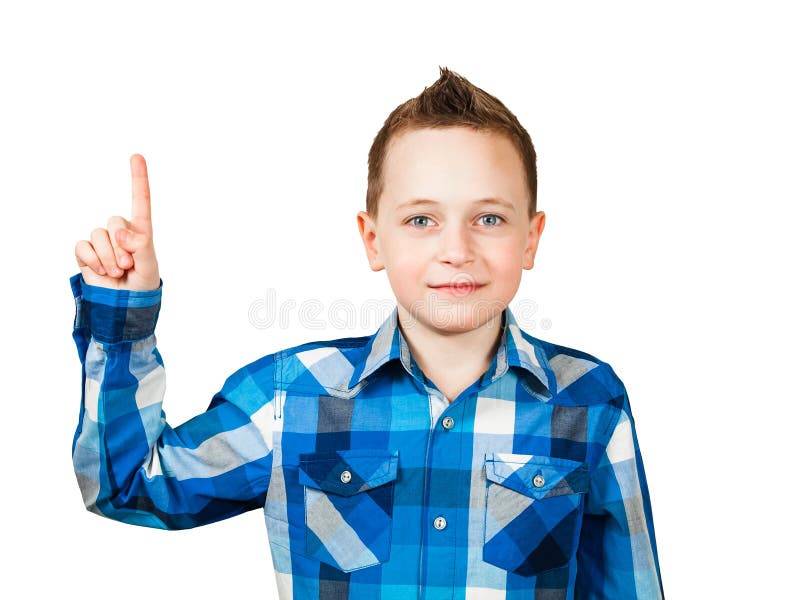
(452, 101)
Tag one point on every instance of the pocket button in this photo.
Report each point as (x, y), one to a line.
(440, 523)
(346, 476)
(538, 480)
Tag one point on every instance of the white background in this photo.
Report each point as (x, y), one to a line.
(667, 138)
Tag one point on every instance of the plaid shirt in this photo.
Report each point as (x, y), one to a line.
(530, 484)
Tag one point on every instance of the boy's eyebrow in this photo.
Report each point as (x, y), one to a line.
(424, 201)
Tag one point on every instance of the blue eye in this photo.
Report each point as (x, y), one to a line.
(415, 219)
(493, 216)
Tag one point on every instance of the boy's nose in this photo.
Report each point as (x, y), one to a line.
(455, 246)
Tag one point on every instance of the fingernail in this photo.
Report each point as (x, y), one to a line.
(102, 271)
(123, 261)
(122, 235)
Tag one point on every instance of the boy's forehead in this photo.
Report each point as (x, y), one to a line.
(452, 166)
(448, 141)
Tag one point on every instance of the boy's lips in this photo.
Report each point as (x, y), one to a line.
(456, 288)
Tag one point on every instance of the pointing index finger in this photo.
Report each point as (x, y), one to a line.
(140, 209)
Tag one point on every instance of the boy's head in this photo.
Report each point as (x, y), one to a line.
(461, 151)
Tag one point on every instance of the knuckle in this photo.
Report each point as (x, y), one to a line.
(84, 249)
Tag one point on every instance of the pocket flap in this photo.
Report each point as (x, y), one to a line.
(537, 476)
(366, 469)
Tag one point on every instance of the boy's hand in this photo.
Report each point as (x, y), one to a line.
(123, 257)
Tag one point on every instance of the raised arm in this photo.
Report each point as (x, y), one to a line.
(131, 465)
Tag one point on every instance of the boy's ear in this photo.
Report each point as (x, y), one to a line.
(369, 235)
(534, 233)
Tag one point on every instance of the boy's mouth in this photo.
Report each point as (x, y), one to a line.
(458, 289)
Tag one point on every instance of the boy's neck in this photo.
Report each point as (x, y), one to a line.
(453, 361)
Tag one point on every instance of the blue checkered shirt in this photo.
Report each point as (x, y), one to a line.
(530, 484)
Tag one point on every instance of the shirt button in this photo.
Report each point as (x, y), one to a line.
(448, 422)
(538, 481)
(440, 523)
(346, 477)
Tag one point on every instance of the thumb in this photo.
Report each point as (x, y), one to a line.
(128, 240)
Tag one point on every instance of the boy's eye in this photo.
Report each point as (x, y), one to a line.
(496, 217)
(416, 219)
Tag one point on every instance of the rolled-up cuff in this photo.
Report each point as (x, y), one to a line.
(115, 315)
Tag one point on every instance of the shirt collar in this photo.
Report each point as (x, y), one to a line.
(514, 350)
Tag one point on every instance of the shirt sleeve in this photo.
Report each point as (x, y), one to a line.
(131, 465)
(617, 556)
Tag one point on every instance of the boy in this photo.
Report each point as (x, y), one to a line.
(449, 455)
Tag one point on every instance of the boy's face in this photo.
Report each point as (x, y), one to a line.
(452, 238)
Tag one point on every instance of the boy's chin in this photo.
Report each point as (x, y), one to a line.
(455, 319)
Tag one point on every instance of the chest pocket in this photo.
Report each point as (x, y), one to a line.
(349, 498)
(533, 511)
